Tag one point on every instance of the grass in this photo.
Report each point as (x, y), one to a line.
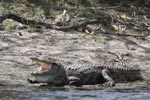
(31, 27)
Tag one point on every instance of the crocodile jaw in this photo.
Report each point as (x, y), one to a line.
(49, 72)
(43, 79)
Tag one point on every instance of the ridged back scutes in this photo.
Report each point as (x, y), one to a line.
(82, 67)
(112, 67)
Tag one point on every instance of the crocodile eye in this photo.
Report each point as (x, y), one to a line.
(54, 65)
(57, 66)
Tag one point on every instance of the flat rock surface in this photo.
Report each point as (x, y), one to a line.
(18, 46)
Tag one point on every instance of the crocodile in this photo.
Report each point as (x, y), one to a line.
(54, 73)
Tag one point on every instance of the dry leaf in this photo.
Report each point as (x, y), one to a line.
(116, 27)
(125, 17)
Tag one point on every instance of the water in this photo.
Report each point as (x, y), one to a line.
(74, 94)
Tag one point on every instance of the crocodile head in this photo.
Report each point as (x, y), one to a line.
(49, 72)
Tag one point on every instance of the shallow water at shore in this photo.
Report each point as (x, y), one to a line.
(74, 94)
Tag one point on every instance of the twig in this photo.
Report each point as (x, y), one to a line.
(119, 57)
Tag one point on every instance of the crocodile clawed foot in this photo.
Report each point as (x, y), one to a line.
(74, 83)
(109, 84)
(73, 80)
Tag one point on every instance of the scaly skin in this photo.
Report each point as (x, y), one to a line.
(85, 74)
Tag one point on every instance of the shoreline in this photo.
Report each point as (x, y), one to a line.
(68, 48)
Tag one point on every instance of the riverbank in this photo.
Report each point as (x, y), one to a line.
(17, 46)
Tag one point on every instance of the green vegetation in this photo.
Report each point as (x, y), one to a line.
(32, 7)
(92, 9)
(31, 27)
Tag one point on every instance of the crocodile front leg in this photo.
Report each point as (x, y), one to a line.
(110, 82)
(73, 80)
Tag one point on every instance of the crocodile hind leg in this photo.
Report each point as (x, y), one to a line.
(110, 82)
(73, 80)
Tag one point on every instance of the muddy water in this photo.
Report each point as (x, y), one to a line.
(74, 94)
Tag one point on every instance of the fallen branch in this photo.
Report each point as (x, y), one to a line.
(48, 26)
(61, 28)
(22, 20)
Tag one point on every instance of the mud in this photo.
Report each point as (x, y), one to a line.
(18, 46)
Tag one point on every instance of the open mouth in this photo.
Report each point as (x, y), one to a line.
(48, 72)
(43, 65)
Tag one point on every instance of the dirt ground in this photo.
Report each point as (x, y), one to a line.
(18, 46)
